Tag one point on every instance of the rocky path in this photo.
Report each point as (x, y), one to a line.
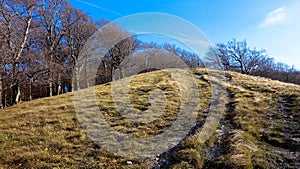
(225, 128)
(287, 152)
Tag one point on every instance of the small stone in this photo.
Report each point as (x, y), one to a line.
(129, 162)
(218, 131)
(156, 159)
(297, 140)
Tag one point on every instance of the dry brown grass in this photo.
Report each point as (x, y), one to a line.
(45, 133)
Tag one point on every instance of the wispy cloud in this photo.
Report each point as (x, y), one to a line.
(99, 7)
(274, 17)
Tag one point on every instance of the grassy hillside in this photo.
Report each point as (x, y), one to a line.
(258, 126)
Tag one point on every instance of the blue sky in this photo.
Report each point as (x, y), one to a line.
(273, 25)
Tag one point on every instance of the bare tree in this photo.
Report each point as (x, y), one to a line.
(219, 58)
(116, 44)
(78, 29)
(252, 61)
(17, 17)
(236, 56)
(191, 59)
(51, 35)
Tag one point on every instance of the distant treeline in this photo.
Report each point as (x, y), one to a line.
(41, 41)
(238, 56)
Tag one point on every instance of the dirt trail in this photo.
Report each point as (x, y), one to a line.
(226, 127)
(287, 152)
(168, 158)
(283, 154)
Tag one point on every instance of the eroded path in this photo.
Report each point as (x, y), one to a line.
(259, 128)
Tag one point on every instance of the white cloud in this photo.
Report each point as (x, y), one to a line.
(274, 17)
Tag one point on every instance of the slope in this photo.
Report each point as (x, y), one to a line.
(256, 127)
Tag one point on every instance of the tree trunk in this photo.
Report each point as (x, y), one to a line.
(86, 79)
(1, 89)
(16, 93)
(15, 84)
(25, 37)
(17, 57)
(75, 81)
(50, 88)
(30, 89)
(4, 98)
(59, 84)
(105, 72)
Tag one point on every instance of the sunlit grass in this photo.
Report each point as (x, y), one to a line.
(46, 133)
